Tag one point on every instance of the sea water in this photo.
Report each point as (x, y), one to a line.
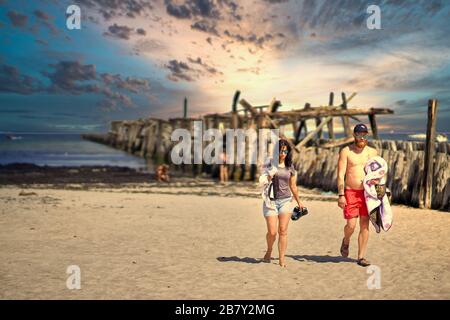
(61, 149)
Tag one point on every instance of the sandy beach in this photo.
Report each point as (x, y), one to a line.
(194, 239)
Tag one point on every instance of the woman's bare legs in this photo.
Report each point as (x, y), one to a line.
(271, 235)
(282, 235)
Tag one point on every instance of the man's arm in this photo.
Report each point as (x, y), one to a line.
(341, 169)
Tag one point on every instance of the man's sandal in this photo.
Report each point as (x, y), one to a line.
(344, 249)
(363, 262)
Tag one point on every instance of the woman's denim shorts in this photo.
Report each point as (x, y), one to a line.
(282, 206)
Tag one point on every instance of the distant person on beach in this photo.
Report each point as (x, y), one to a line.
(162, 173)
(350, 177)
(223, 173)
(281, 171)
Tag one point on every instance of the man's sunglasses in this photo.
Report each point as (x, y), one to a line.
(364, 136)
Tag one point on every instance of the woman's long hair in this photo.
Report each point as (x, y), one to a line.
(288, 159)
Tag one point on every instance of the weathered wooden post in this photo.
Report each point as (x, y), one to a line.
(234, 125)
(373, 126)
(295, 126)
(302, 125)
(298, 130)
(216, 122)
(330, 124)
(274, 105)
(345, 122)
(234, 114)
(427, 182)
(310, 135)
(320, 132)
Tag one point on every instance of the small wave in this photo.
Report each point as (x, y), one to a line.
(422, 136)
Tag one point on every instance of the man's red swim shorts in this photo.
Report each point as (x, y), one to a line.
(356, 204)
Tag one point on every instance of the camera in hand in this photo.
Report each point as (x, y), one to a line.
(299, 212)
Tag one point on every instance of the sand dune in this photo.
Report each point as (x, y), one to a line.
(165, 242)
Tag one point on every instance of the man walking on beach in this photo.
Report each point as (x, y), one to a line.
(350, 177)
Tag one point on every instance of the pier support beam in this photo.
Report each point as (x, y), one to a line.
(345, 122)
(427, 183)
(373, 126)
(330, 124)
(312, 133)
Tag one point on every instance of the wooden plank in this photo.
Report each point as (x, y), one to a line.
(248, 106)
(312, 133)
(373, 126)
(218, 115)
(337, 143)
(351, 97)
(267, 106)
(355, 118)
(184, 119)
(427, 183)
(255, 107)
(271, 122)
(326, 111)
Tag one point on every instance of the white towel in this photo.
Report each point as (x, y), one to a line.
(268, 170)
(376, 169)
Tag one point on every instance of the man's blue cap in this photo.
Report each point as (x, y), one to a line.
(360, 127)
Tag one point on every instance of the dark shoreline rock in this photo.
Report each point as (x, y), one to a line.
(28, 173)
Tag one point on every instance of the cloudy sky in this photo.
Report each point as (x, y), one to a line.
(140, 58)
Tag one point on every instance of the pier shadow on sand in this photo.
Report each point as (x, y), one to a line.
(321, 259)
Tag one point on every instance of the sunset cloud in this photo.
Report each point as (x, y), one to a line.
(153, 53)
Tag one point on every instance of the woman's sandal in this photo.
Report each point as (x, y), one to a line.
(363, 262)
(344, 249)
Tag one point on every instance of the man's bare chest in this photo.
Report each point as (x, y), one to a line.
(355, 159)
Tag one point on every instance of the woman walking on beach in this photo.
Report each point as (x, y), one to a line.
(284, 177)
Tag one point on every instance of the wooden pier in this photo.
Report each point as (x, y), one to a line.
(417, 170)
